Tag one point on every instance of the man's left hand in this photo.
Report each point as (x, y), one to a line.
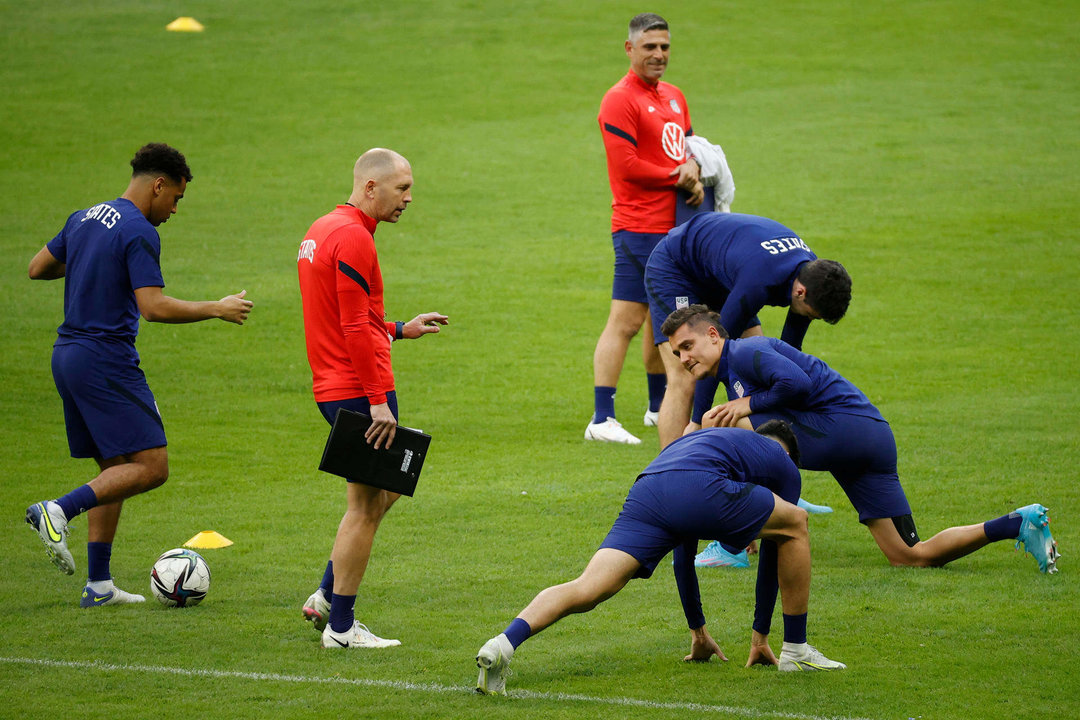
(423, 324)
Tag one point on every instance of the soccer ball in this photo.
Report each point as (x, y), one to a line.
(180, 578)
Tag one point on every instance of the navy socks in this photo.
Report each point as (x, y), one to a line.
(77, 501)
(98, 555)
(517, 632)
(341, 612)
(604, 403)
(1006, 527)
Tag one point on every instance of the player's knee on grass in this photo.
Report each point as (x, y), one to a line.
(899, 540)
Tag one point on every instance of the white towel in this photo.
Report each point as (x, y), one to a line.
(714, 170)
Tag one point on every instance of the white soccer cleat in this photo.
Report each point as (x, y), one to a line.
(317, 610)
(802, 656)
(50, 523)
(112, 596)
(610, 431)
(358, 636)
(494, 663)
(651, 419)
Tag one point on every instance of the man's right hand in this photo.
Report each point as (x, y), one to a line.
(234, 308)
(383, 426)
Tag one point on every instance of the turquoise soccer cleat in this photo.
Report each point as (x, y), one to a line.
(1036, 537)
(714, 555)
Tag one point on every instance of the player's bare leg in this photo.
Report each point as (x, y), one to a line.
(352, 549)
(678, 398)
(607, 572)
(356, 534)
(624, 321)
(129, 475)
(946, 546)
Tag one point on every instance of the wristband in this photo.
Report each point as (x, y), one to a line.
(399, 330)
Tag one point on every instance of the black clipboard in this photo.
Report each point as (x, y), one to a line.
(396, 468)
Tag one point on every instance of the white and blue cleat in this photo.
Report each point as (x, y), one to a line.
(715, 555)
(113, 596)
(50, 523)
(1036, 537)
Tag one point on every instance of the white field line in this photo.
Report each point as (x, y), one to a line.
(416, 687)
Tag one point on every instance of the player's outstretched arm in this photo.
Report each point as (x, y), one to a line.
(703, 647)
(155, 306)
(46, 267)
(423, 324)
(760, 652)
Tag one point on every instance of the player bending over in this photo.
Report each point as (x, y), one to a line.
(839, 431)
(724, 484)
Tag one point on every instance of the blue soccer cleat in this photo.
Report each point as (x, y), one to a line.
(815, 509)
(714, 555)
(1036, 537)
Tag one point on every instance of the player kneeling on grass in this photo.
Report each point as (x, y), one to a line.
(839, 430)
(722, 484)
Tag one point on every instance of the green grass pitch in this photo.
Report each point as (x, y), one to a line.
(930, 146)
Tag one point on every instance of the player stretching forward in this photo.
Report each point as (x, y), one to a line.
(109, 257)
(723, 483)
(840, 431)
(348, 347)
(736, 264)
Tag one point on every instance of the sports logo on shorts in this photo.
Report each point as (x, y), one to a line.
(675, 105)
(307, 251)
(681, 302)
(738, 388)
(673, 140)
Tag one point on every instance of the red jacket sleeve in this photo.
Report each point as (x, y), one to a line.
(619, 128)
(363, 333)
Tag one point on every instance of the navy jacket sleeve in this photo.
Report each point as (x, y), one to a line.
(687, 582)
(787, 384)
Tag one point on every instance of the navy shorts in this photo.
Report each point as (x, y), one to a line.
(664, 509)
(631, 253)
(109, 410)
(669, 289)
(359, 404)
(860, 452)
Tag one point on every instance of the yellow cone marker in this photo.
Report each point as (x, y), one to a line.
(208, 539)
(185, 24)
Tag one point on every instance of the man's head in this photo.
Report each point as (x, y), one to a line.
(780, 431)
(697, 338)
(159, 177)
(822, 290)
(648, 46)
(382, 184)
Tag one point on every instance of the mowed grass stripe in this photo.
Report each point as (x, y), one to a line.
(415, 687)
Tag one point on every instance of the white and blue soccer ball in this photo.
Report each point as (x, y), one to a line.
(180, 578)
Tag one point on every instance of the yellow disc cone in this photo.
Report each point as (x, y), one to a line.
(185, 24)
(208, 539)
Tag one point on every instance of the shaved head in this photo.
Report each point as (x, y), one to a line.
(382, 183)
(377, 164)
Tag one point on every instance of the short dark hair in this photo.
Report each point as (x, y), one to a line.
(646, 22)
(160, 159)
(828, 288)
(782, 432)
(696, 316)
